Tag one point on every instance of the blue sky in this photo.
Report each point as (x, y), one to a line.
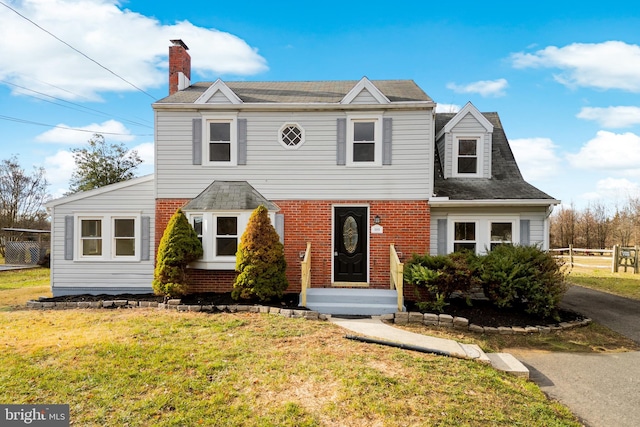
(564, 76)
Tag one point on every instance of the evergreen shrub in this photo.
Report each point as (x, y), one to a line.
(523, 276)
(178, 247)
(260, 260)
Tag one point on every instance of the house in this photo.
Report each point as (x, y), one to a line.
(352, 172)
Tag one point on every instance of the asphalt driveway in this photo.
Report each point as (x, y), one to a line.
(603, 390)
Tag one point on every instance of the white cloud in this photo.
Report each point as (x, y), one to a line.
(536, 157)
(612, 117)
(609, 151)
(59, 168)
(447, 108)
(613, 190)
(112, 130)
(145, 151)
(483, 87)
(607, 65)
(131, 45)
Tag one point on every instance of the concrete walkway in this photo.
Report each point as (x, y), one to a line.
(375, 328)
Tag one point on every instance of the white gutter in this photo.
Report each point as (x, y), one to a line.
(445, 202)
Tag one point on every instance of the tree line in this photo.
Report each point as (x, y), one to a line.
(23, 193)
(596, 226)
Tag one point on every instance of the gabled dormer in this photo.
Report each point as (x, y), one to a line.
(464, 144)
(365, 92)
(218, 93)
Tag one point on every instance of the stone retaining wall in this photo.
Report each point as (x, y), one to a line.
(176, 305)
(448, 321)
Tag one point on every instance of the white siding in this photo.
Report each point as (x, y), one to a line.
(68, 276)
(306, 173)
(536, 215)
(365, 97)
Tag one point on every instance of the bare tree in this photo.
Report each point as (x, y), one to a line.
(22, 197)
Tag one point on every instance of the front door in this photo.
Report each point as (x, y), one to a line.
(350, 251)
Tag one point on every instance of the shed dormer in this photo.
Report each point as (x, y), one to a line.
(464, 144)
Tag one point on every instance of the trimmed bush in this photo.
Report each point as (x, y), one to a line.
(436, 278)
(523, 276)
(178, 247)
(260, 260)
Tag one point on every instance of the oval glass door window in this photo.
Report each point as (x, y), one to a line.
(350, 234)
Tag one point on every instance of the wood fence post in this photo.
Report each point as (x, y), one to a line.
(614, 262)
(571, 256)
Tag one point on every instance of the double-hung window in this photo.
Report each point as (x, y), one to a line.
(91, 237)
(124, 237)
(464, 236)
(467, 156)
(221, 147)
(108, 237)
(364, 140)
(501, 233)
(226, 236)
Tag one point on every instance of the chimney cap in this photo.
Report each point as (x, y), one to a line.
(178, 42)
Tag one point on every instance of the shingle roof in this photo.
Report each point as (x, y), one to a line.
(302, 92)
(506, 181)
(229, 195)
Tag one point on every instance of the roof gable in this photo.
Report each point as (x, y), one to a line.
(218, 93)
(101, 190)
(363, 88)
(469, 108)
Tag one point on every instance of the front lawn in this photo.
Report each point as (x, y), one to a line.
(149, 367)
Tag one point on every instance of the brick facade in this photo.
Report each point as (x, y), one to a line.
(405, 223)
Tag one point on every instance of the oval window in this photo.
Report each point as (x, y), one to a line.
(350, 234)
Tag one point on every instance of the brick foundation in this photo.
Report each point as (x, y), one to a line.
(406, 224)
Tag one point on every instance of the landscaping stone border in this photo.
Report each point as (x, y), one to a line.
(176, 304)
(399, 318)
(461, 323)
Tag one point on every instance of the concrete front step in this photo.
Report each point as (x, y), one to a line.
(508, 363)
(355, 302)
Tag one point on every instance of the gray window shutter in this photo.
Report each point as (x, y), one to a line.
(68, 237)
(196, 136)
(525, 232)
(341, 143)
(442, 237)
(145, 238)
(280, 226)
(387, 126)
(242, 141)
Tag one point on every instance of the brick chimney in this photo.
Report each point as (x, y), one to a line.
(179, 66)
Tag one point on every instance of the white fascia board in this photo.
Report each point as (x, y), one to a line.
(98, 191)
(291, 106)
(444, 202)
(221, 86)
(363, 84)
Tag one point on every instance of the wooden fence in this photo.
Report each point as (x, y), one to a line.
(613, 260)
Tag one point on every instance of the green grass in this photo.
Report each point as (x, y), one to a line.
(148, 367)
(622, 284)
